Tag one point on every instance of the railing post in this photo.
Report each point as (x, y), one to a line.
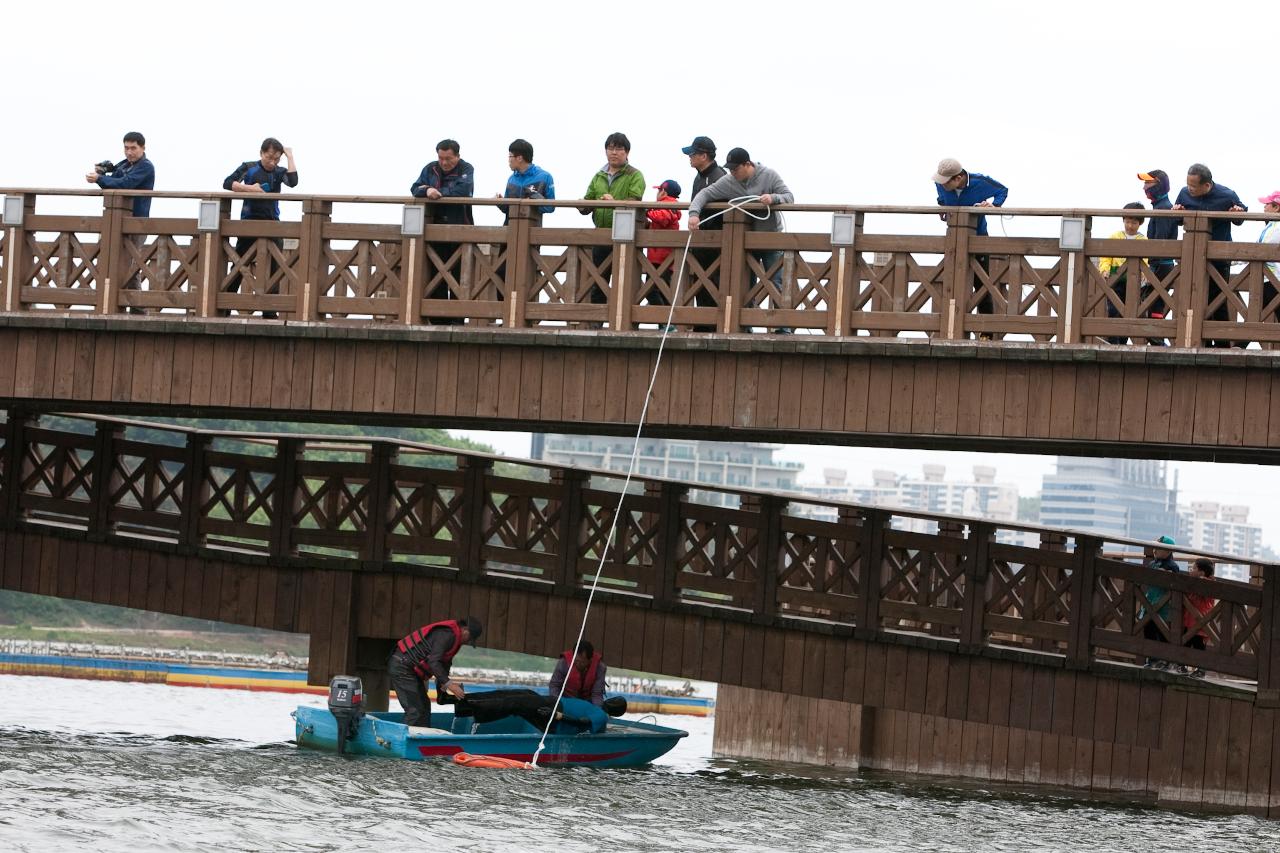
(311, 256)
(382, 455)
(973, 635)
(193, 490)
(733, 270)
(1269, 646)
(288, 451)
(414, 272)
(519, 265)
(104, 437)
(958, 282)
(844, 263)
(474, 510)
(213, 264)
(113, 259)
(11, 483)
(1079, 645)
(17, 256)
(1192, 296)
(1075, 292)
(769, 508)
(570, 482)
(871, 564)
(626, 279)
(670, 504)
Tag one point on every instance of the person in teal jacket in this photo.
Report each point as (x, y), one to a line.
(1161, 558)
(617, 180)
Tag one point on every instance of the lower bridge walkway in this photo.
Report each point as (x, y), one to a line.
(840, 634)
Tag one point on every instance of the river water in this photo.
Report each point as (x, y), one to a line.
(135, 767)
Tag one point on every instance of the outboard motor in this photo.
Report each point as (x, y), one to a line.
(346, 703)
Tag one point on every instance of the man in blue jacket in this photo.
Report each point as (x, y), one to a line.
(449, 177)
(958, 187)
(1201, 193)
(527, 180)
(134, 172)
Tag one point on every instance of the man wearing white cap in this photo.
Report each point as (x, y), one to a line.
(960, 188)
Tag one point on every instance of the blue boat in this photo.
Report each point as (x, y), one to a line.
(624, 743)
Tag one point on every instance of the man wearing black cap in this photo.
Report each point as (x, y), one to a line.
(702, 157)
(745, 177)
(425, 654)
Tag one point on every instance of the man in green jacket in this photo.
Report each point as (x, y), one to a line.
(617, 180)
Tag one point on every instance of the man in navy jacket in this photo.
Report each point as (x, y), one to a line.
(1201, 193)
(958, 187)
(449, 177)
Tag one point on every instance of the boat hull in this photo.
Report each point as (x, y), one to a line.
(626, 743)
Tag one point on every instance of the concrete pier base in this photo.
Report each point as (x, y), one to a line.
(1227, 768)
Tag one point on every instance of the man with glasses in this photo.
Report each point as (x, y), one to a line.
(617, 180)
(745, 177)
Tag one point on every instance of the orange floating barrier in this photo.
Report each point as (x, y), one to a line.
(465, 759)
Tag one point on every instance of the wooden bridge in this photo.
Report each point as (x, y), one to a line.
(837, 636)
(880, 354)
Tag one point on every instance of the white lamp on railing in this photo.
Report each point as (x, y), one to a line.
(208, 215)
(13, 209)
(1071, 237)
(624, 225)
(842, 229)
(1070, 240)
(413, 220)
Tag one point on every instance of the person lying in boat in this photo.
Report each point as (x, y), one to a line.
(574, 716)
(585, 673)
(425, 654)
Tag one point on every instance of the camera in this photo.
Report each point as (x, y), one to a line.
(106, 167)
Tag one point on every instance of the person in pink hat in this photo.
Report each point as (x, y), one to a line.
(1271, 230)
(1270, 235)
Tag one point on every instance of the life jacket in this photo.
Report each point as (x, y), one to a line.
(414, 646)
(577, 685)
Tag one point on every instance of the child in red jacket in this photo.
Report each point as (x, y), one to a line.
(1195, 607)
(664, 219)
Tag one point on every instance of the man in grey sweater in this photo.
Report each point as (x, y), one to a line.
(748, 178)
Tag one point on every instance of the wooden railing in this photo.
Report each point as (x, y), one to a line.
(375, 505)
(887, 283)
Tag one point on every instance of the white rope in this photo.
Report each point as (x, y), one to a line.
(734, 204)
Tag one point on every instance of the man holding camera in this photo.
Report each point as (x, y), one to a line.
(134, 172)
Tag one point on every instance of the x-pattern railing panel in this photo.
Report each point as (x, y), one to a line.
(165, 265)
(368, 268)
(66, 262)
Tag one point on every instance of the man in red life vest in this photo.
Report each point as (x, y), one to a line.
(584, 672)
(425, 654)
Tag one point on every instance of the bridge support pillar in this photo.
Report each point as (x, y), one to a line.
(371, 668)
(1196, 748)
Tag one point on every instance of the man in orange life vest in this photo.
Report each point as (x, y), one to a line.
(585, 673)
(425, 654)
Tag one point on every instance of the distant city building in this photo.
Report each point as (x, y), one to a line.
(745, 465)
(931, 492)
(1129, 498)
(1210, 526)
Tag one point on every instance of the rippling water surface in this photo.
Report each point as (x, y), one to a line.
(132, 767)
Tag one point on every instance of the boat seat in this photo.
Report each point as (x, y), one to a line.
(425, 731)
(463, 725)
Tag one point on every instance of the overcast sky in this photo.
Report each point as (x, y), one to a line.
(851, 103)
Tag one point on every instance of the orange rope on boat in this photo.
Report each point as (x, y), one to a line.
(464, 759)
